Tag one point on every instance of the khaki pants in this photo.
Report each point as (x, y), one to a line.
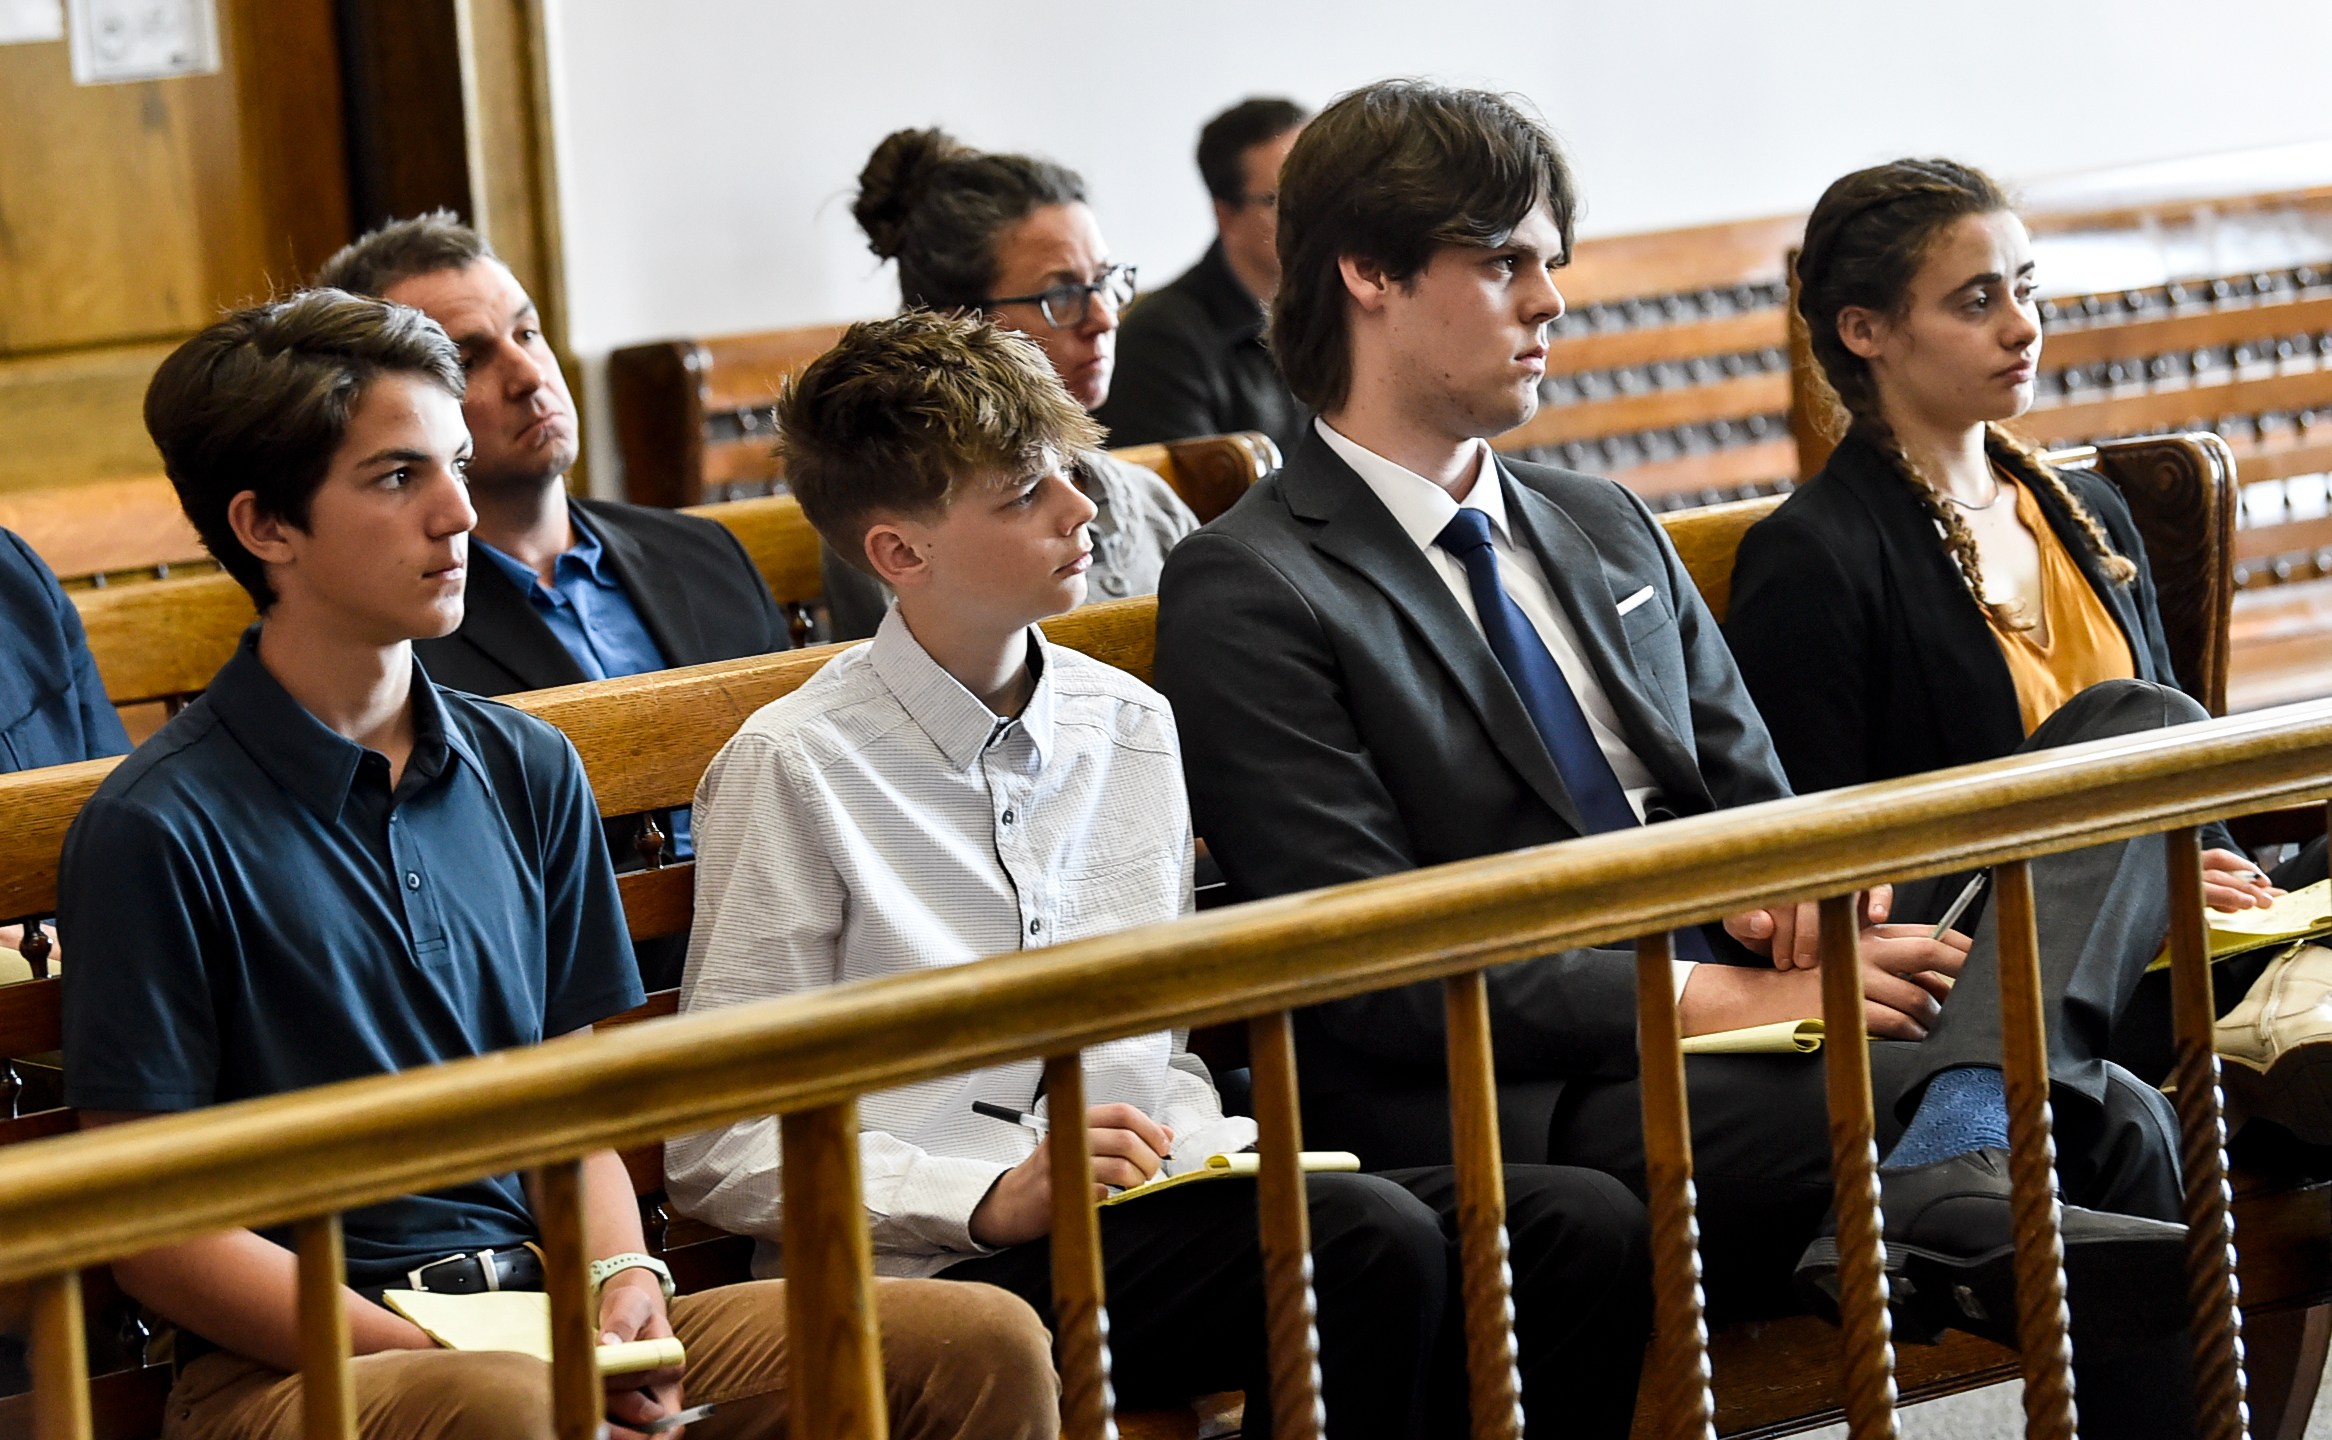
(960, 1362)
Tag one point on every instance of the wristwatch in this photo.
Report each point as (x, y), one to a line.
(603, 1270)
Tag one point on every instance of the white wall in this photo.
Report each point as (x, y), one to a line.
(708, 148)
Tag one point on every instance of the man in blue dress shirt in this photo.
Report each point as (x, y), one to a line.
(328, 867)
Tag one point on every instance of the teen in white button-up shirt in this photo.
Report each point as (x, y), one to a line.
(881, 819)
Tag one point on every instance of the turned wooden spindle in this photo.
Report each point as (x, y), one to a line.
(1675, 1388)
(2210, 1223)
(1291, 1327)
(1869, 1390)
(60, 1360)
(1493, 1384)
(1080, 1324)
(2043, 1332)
(649, 842)
(327, 1397)
(578, 1399)
(834, 1358)
(36, 947)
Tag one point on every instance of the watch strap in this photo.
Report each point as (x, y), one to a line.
(604, 1270)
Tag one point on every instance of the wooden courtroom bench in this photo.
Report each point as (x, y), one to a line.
(1772, 1376)
(1671, 371)
(1669, 375)
(158, 644)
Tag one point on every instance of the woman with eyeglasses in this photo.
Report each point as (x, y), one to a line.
(1012, 236)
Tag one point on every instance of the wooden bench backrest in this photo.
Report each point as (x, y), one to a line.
(162, 641)
(1669, 371)
(103, 528)
(1670, 375)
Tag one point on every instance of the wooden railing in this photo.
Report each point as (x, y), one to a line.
(305, 1157)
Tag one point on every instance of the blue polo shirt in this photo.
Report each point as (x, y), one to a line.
(592, 617)
(254, 910)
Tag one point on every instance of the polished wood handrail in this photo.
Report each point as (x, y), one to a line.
(83, 1199)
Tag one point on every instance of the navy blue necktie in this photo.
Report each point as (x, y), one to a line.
(1553, 707)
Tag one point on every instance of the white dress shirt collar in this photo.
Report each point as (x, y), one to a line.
(1423, 508)
(958, 722)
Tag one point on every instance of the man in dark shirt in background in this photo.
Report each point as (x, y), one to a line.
(1191, 358)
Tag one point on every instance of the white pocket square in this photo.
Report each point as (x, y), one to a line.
(1634, 600)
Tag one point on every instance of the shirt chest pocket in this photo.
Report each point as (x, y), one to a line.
(1652, 639)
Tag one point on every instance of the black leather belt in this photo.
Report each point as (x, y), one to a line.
(476, 1273)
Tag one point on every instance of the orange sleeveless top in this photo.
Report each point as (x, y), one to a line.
(2084, 647)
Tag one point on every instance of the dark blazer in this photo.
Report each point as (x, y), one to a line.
(1865, 653)
(1341, 718)
(1191, 361)
(1861, 644)
(693, 584)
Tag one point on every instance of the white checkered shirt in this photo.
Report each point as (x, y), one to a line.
(881, 819)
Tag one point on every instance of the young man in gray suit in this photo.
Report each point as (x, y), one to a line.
(1405, 650)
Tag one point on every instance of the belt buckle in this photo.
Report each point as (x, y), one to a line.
(484, 1259)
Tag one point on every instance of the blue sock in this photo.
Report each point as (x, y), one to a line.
(1964, 1110)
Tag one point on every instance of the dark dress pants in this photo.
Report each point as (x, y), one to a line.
(1183, 1274)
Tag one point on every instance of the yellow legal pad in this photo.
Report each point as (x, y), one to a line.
(1782, 1037)
(1230, 1167)
(517, 1320)
(2299, 914)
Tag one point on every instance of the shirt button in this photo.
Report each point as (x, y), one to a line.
(412, 879)
(1114, 584)
(1007, 817)
(1035, 926)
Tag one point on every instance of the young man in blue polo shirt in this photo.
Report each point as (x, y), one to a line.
(328, 867)
(958, 788)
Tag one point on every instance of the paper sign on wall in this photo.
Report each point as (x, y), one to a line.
(120, 40)
(28, 22)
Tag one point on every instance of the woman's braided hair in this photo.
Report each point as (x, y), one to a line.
(1864, 243)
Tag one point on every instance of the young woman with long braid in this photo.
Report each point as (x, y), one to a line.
(1936, 594)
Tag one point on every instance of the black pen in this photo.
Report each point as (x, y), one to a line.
(1011, 1116)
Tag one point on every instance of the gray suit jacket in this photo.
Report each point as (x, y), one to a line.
(1341, 718)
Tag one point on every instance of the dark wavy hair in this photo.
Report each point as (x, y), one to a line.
(935, 206)
(1865, 242)
(1389, 174)
(261, 400)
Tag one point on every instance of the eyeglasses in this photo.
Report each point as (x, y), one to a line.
(1065, 307)
(1268, 200)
